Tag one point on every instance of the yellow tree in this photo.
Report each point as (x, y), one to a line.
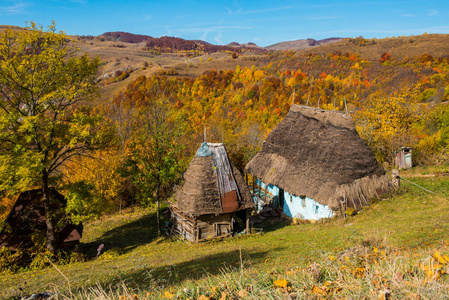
(43, 123)
(386, 123)
(97, 184)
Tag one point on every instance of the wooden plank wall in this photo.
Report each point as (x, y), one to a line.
(202, 227)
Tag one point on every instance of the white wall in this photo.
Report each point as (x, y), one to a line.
(305, 208)
(299, 207)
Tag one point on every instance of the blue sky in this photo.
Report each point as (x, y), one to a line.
(221, 22)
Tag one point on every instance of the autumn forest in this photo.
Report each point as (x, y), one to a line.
(155, 123)
(112, 142)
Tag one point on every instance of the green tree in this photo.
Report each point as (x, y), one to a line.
(44, 120)
(157, 151)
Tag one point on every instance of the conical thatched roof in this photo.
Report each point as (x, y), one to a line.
(199, 193)
(319, 154)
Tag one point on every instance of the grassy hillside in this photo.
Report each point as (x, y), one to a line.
(386, 248)
(131, 56)
(399, 47)
(119, 56)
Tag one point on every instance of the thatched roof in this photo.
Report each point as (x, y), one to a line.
(319, 154)
(199, 193)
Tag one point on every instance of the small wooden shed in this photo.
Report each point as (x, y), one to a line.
(403, 158)
(28, 216)
(213, 194)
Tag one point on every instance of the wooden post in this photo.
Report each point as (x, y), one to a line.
(395, 178)
(252, 183)
(195, 231)
(248, 224)
(346, 107)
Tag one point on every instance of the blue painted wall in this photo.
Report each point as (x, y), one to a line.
(299, 207)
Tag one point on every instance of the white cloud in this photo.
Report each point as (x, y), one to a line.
(169, 31)
(432, 12)
(18, 7)
(218, 37)
(266, 10)
(218, 30)
(322, 18)
(79, 1)
(212, 28)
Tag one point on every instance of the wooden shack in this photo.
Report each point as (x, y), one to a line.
(212, 197)
(28, 216)
(403, 158)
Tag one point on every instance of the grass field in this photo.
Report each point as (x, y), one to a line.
(384, 250)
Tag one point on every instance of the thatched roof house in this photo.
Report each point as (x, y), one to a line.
(28, 216)
(213, 190)
(317, 155)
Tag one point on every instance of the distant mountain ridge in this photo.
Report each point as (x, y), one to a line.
(302, 44)
(125, 37)
(175, 43)
(167, 43)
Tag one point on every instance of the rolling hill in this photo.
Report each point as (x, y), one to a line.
(302, 44)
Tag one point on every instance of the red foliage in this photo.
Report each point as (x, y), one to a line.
(424, 80)
(323, 75)
(126, 37)
(170, 44)
(384, 57)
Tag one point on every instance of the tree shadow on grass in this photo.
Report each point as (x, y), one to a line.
(147, 278)
(281, 223)
(126, 237)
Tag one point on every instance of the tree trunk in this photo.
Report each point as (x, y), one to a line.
(52, 245)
